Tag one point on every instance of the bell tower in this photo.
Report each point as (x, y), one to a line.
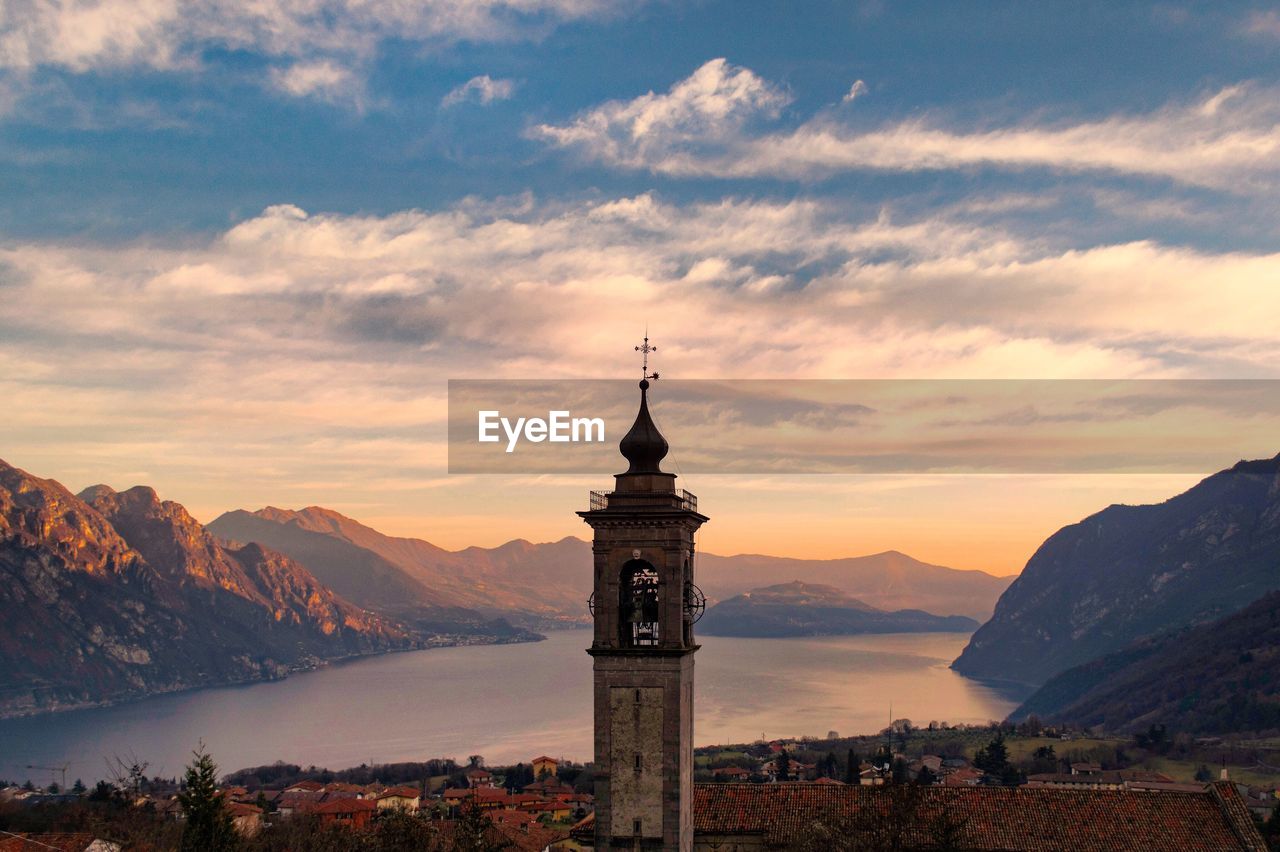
(644, 605)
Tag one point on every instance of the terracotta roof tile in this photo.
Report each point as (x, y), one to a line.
(995, 818)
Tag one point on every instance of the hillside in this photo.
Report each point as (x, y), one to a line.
(889, 580)
(805, 609)
(1222, 677)
(129, 596)
(1130, 572)
(552, 581)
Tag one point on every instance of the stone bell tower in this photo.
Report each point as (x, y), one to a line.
(644, 604)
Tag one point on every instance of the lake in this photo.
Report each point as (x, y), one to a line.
(506, 702)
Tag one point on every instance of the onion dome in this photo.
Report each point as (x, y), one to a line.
(643, 446)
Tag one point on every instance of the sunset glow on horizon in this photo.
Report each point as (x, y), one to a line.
(243, 251)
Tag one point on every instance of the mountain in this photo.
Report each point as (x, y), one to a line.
(1130, 572)
(552, 581)
(123, 595)
(805, 609)
(1220, 678)
(889, 580)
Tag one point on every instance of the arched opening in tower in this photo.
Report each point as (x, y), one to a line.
(638, 604)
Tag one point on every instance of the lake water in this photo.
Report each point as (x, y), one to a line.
(506, 702)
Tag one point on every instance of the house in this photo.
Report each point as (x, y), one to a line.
(581, 836)
(736, 773)
(402, 798)
(518, 819)
(247, 819)
(1115, 779)
(305, 787)
(749, 817)
(297, 802)
(1085, 768)
(964, 777)
(480, 777)
(549, 787)
(348, 811)
(545, 767)
(555, 809)
(484, 797)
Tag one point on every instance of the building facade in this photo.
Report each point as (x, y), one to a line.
(644, 605)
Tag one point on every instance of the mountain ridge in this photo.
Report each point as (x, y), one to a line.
(1222, 677)
(552, 580)
(796, 608)
(1129, 572)
(90, 619)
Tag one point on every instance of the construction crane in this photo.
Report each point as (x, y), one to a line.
(51, 770)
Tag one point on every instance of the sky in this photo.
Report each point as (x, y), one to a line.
(244, 246)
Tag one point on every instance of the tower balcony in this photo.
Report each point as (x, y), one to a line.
(678, 499)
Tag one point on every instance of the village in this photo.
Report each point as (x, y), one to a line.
(547, 803)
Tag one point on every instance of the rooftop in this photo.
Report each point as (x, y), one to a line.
(995, 818)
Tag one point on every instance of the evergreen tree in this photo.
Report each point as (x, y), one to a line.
(208, 823)
(474, 831)
(852, 768)
(784, 766)
(993, 758)
(78, 788)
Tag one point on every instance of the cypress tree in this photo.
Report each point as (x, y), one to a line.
(208, 822)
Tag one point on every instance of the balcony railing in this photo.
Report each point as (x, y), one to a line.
(679, 499)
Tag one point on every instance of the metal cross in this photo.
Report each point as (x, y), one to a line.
(645, 348)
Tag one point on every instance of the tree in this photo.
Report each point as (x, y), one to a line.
(784, 766)
(993, 758)
(474, 831)
(852, 768)
(1203, 774)
(208, 823)
(78, 788)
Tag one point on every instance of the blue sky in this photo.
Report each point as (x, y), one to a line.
(243, 247)
(106, 146)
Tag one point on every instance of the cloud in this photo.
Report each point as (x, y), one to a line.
(302, 357)
(324, 80)
(857, 90)
(299, 36)
(710, 124)
(1266, 24)
(709, 108)
(482, 90)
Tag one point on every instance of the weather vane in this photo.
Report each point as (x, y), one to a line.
(645, 348)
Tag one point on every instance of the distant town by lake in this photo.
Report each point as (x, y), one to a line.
(506, 702)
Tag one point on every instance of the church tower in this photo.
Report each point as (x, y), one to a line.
(644, 604)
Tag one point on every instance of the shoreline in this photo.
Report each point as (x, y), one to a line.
(299, 668)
